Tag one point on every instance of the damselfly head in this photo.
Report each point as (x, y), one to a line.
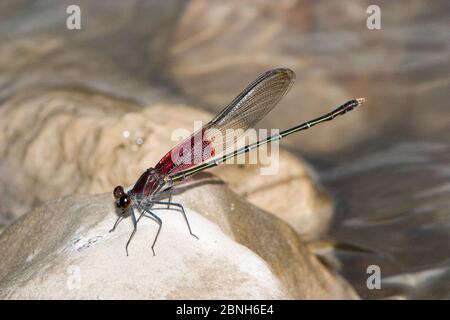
(118, 192)
(123, 202)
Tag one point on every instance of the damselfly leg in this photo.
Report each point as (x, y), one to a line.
(170, 197)
(178, 205)
(155, 218)
(116, 223)
(133, 219)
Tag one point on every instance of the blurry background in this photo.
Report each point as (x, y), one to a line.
(387, 165)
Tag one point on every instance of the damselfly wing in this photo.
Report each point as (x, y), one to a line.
(247, 109)
(223, 132)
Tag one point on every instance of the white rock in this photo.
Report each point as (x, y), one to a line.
(64, 250)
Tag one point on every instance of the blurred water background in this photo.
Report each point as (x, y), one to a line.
(387, 166)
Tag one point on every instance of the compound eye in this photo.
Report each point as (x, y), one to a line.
(124, 201)
(118, 192)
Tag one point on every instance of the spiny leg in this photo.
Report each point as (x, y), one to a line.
(133, 219)
(116, 223)
(158, 220)
(142, 214)
(141, 211)
(170, 198)
(179, 205)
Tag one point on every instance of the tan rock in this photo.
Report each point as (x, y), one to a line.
(293, 194)
(64, 250)
(61, 142)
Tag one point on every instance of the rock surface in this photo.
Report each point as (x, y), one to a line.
(293, 194)
(64, 250)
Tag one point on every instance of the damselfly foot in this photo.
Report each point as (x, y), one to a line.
(116, 223)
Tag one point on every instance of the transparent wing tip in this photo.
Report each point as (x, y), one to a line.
(286, 71)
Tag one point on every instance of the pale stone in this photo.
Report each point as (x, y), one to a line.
(63, 250)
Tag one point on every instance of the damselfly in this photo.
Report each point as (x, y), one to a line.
(200, 151)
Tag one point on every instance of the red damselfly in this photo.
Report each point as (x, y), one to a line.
(200, 150)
